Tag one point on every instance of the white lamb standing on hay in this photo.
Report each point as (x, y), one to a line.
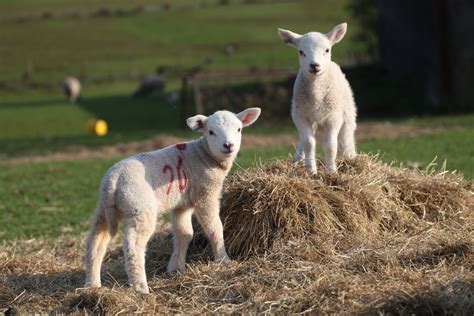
(322, 97)
(72, 88)
(185, 178)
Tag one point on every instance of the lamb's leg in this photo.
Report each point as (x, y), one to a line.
(211, 223)
(347, 140)
(307, 143)
(96, 246)
(330, 146)
(137, 233)
(183, 233)
(299, 156)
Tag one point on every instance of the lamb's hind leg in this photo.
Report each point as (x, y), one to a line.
(137, 233)
(347, 140)
(99, 237)
(299, 156)
(183, 234)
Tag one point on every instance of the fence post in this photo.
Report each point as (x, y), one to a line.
(184, 100)
(198, 97)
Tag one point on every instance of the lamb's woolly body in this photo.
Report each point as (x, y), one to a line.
(323, 98)
(145, 179)
(185, 178)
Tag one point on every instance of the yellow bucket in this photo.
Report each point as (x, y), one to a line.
(97, 127)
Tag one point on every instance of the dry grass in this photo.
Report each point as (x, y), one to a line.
(372, 239)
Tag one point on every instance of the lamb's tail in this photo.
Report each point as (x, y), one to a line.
(103, 227)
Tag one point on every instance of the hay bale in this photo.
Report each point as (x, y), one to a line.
(273, 203)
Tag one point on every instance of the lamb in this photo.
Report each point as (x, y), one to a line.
(72, 88)
(322, 97)
(185, 178)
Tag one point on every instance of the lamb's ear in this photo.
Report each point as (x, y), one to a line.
(289, 37)
(197, 122)
(249, 116)
(337, 33)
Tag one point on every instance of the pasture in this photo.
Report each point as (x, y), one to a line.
(351, 254)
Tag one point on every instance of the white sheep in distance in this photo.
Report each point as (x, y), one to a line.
(322, 97)
(72, 88)
(185, 178)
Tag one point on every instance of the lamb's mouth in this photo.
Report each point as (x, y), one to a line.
(314, 71)
(228, 152)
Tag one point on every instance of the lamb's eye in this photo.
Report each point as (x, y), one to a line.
(239, 130)
(211, 132)
(327, 50)
(301, 53)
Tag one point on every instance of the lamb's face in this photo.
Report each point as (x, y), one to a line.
(314, 48)
(223, 130)
(223, 134)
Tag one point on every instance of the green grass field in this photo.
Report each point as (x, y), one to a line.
(95, 47)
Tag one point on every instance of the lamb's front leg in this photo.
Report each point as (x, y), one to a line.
(330, 145)
(208, 217)
(182, 236)
(307, 145)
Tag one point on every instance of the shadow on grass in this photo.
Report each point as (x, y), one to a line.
(125, 114)
(454, 298)
(128, 120)
(434, 257)
(26, 104)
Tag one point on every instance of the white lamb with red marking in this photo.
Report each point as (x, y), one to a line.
(185, 179)
(322, 97)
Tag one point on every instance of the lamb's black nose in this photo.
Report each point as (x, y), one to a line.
(315, 66)
(228, 146)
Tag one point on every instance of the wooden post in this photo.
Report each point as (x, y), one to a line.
(198, 97)
(184, 100)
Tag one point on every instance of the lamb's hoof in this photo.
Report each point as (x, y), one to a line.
(223, 260)
(141, 288)
(174, 270)
(90, 285)
(331, 169)
(311, 172)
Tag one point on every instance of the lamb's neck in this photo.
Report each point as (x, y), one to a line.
(205, 155)
(311, 82)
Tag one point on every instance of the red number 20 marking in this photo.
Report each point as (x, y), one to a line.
(182, 178)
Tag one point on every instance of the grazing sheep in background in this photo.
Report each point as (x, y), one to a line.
(150, 84)
(185, 178)
(322, 97)
(72, 88)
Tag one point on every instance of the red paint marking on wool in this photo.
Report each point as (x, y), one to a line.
(170, 183)
(182, 181)
(181, 146)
